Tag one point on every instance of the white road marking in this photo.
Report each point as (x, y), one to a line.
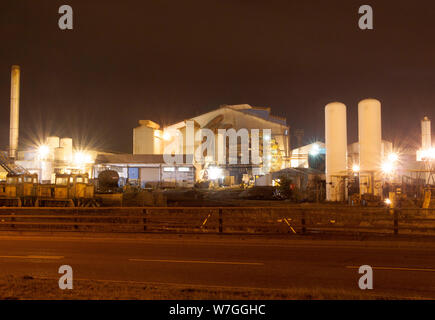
(200, 261)
(33, 257)
(396, 268)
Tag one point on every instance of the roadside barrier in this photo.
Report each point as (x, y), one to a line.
(248, 220)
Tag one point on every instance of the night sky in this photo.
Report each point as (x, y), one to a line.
(171, 60)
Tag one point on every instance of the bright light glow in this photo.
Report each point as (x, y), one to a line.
(43, 152)
(266, 137)
(428, 154)
(355, 168)
(387, 167)
(166, 136)
(390, 164)
(387, 201)
(214, 173)
(294, 163)
(393, 157)
(315, 150)
(81, 158)
(276, 182)
(157, 133)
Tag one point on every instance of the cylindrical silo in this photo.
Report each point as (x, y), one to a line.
(336, 151)
(15, 111)
(52, 143)
(67, 145)
(370, 146)
(426, 134)
(59, 154)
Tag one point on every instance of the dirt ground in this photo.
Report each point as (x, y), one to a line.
(29, 288)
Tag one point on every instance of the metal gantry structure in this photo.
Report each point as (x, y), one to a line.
(10, 166)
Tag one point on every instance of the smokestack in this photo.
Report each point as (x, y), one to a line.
(426, 134)
(15, 111)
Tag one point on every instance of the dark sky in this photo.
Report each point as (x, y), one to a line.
(170, 60)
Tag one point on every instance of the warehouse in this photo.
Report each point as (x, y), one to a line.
(146, 171)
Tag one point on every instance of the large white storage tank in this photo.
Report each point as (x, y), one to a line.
(67, 145)
(370, 146)
(336, 151)
(52, 143)
(59, 154)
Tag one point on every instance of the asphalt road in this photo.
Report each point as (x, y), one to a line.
(400, 268)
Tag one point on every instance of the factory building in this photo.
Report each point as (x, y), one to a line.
(146, 170)
(167, 156)
(148, 163)
(54, 155)
(300, 157)
(57, 155)
(150, 138)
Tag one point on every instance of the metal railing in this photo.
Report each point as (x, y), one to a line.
(254, 220)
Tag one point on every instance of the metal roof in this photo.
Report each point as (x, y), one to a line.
(132, 158)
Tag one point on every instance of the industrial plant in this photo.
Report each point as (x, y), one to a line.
(371, 171)
(224, 152)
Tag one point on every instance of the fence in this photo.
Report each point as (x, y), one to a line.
(255, 220)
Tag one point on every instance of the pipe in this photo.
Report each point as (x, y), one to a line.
(15, 111)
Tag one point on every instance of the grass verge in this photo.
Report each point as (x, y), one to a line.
(30, 288)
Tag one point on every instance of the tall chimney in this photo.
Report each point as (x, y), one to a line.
(426, 135)
(15, 111)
